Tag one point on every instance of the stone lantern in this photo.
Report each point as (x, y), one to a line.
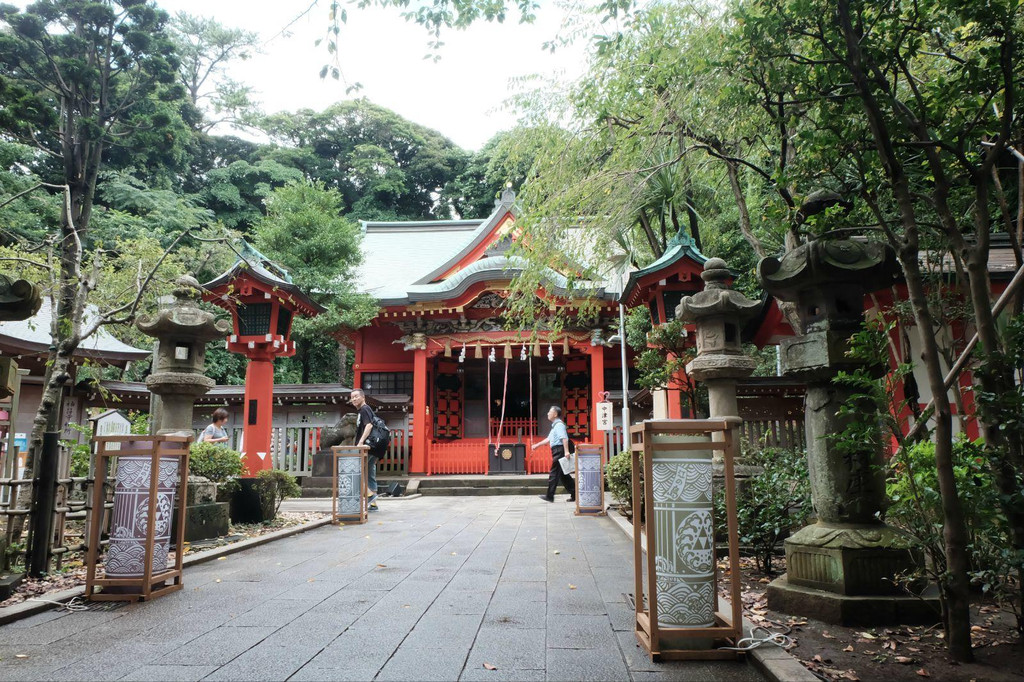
(182, 330)
(718, 313)
(843, 567)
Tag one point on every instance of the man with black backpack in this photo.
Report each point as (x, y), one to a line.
(371, 431)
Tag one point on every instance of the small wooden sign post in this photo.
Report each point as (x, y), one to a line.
(589, 480)
(350, 484)
(679, 618)
(151, 478)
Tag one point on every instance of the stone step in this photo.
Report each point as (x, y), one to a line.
(476, 491)
(503, 480)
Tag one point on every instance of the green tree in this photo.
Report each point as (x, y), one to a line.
(384, 166)
(305, 233)
(205, 49)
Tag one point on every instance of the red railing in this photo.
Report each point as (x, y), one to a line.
(512, 428)
(469, 456)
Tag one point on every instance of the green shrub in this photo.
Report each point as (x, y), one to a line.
(279, 483)
(772, 504)
(916, 508)
(214, 462)
(619, 475)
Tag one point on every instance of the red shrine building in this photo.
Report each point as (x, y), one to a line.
(480, 389)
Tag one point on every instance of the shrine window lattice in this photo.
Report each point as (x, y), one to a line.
(380, 383)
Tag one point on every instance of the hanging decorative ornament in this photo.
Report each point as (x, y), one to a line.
(479, 352)
(491, 356)
(551, 352)
(522, 353)
(462, 355)
(508, 351)
(565, 346)
(448, 349)
(536, 349)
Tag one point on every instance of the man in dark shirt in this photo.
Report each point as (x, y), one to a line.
(364, 425)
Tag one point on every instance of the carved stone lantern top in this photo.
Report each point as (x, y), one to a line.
(19, 299)
(183, 319)
(717, 299)
(718, 312)
(828, 279)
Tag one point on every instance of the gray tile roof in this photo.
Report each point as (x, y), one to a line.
(33, 336)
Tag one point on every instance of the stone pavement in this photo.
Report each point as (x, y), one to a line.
(429, 589)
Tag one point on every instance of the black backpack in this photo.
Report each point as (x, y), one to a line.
(570, 446)
(380, 436)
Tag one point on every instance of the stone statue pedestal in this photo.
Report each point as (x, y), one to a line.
(205, 517)
(845, 568)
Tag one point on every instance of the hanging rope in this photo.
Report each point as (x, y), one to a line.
(533, 414)
(487, 366)
(504, 398)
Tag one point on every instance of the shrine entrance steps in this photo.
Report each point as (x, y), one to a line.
(442, 485)
(476, 485)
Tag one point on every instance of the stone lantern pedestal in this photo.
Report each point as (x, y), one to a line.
(182, 330)
(718, 313)
(843, 568)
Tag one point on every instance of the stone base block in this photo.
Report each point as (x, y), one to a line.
(251, 502)
(205, 521)
(323, 464)
(851, 610)
(8, 583)
(853, 560)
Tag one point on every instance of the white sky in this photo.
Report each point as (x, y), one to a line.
(461, 95)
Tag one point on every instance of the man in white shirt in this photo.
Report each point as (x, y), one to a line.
(559, 440)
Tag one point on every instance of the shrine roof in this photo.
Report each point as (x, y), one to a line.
(404, 261)
(681, 246)
(33, 336)
(251, 262)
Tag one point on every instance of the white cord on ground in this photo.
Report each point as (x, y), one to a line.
(780, 639)
(72, 605)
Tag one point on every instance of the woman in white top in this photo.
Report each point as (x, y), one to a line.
(216, 433)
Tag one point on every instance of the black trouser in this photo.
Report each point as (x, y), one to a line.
(556, 473)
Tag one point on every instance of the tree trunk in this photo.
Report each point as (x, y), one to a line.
(956, 588)
(343, 364)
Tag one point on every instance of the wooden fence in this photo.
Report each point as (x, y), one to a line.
(773, 413)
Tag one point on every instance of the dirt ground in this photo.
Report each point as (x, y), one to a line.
(72, 570)
(893, 654)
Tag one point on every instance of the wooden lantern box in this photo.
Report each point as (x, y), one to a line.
(350, 483)
(151, 480)
(589, 480)
(680, 618)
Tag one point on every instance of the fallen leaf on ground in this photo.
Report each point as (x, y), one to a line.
(571, 586)
(827, 635)
(21, 655)
(867, 635)
(849, 675)
(556, 552)
(488, 666)
(905, 660)
(849, 648)
(221, 558)
(217, 580)
(382, 566)
(311, 580)
(453, 554)
(923, 673)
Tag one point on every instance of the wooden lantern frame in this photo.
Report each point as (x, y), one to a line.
(148, 585)
(728, 627)
(590, 511)
(339, 452)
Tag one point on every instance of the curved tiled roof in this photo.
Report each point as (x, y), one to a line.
(33, 336)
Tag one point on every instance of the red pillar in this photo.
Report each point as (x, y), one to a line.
(421, 424)
(673, 392)
(259, 407)
(596, 389)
